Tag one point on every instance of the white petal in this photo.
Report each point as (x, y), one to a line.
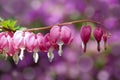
(83, 45)
(16, 58)
(36, 57)
(21, 56)
(50, 56)
(60, 48)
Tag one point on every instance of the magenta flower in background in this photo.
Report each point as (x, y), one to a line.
(98, 33)
(85, 33)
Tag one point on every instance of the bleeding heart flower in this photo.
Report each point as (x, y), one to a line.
(19, 42)
(6, 44)
(61, 35)
(98, 33)
(32, 44)
(106, 35)
(49, 46)
(85, 33)
(3, 41)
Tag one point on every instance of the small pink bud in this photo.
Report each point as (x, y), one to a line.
(106, 35)
(85, 33)
(98, 33)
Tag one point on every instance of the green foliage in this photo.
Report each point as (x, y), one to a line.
(100, 62)
(9, 25)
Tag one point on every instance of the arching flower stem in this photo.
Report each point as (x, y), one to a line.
(62, 24)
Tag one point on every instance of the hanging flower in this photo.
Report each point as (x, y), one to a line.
(48, 46)
(98, 33)
(106, 35)
(19, 42)
(85, 33)
(61, 35)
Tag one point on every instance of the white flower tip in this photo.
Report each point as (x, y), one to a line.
(60, 52)
(36, 57)
(50, 56)
(83, 45)
(60, 48)
(21, 56)
(50, 60)
(16, 58)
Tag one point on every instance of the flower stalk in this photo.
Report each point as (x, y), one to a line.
(62, 24)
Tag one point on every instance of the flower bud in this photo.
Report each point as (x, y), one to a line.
(98, 33)
(106, 35)
(85, 33)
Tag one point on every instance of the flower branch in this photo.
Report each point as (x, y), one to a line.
(62, 24)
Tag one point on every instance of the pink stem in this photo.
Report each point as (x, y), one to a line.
(84, 47)
(98, 46)
(105, 45)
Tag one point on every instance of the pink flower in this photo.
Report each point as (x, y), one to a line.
(106, 35)
(48, 46)
(30, 41)
(85, 33)
(98, 33)
(11, 49)
(3, 41)
(39, 38)
(5, 38)
(61, 35)
(19, 42)
(32, 44)
(6, 45)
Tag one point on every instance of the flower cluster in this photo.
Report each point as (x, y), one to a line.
(98, 34)
(14, 44)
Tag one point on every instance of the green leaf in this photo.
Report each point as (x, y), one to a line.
(18, 27)
(5, 24)
(9, 24)
(12, 23)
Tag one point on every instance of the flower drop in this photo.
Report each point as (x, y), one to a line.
(61, 35)
(98, 33)
(85, 33)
